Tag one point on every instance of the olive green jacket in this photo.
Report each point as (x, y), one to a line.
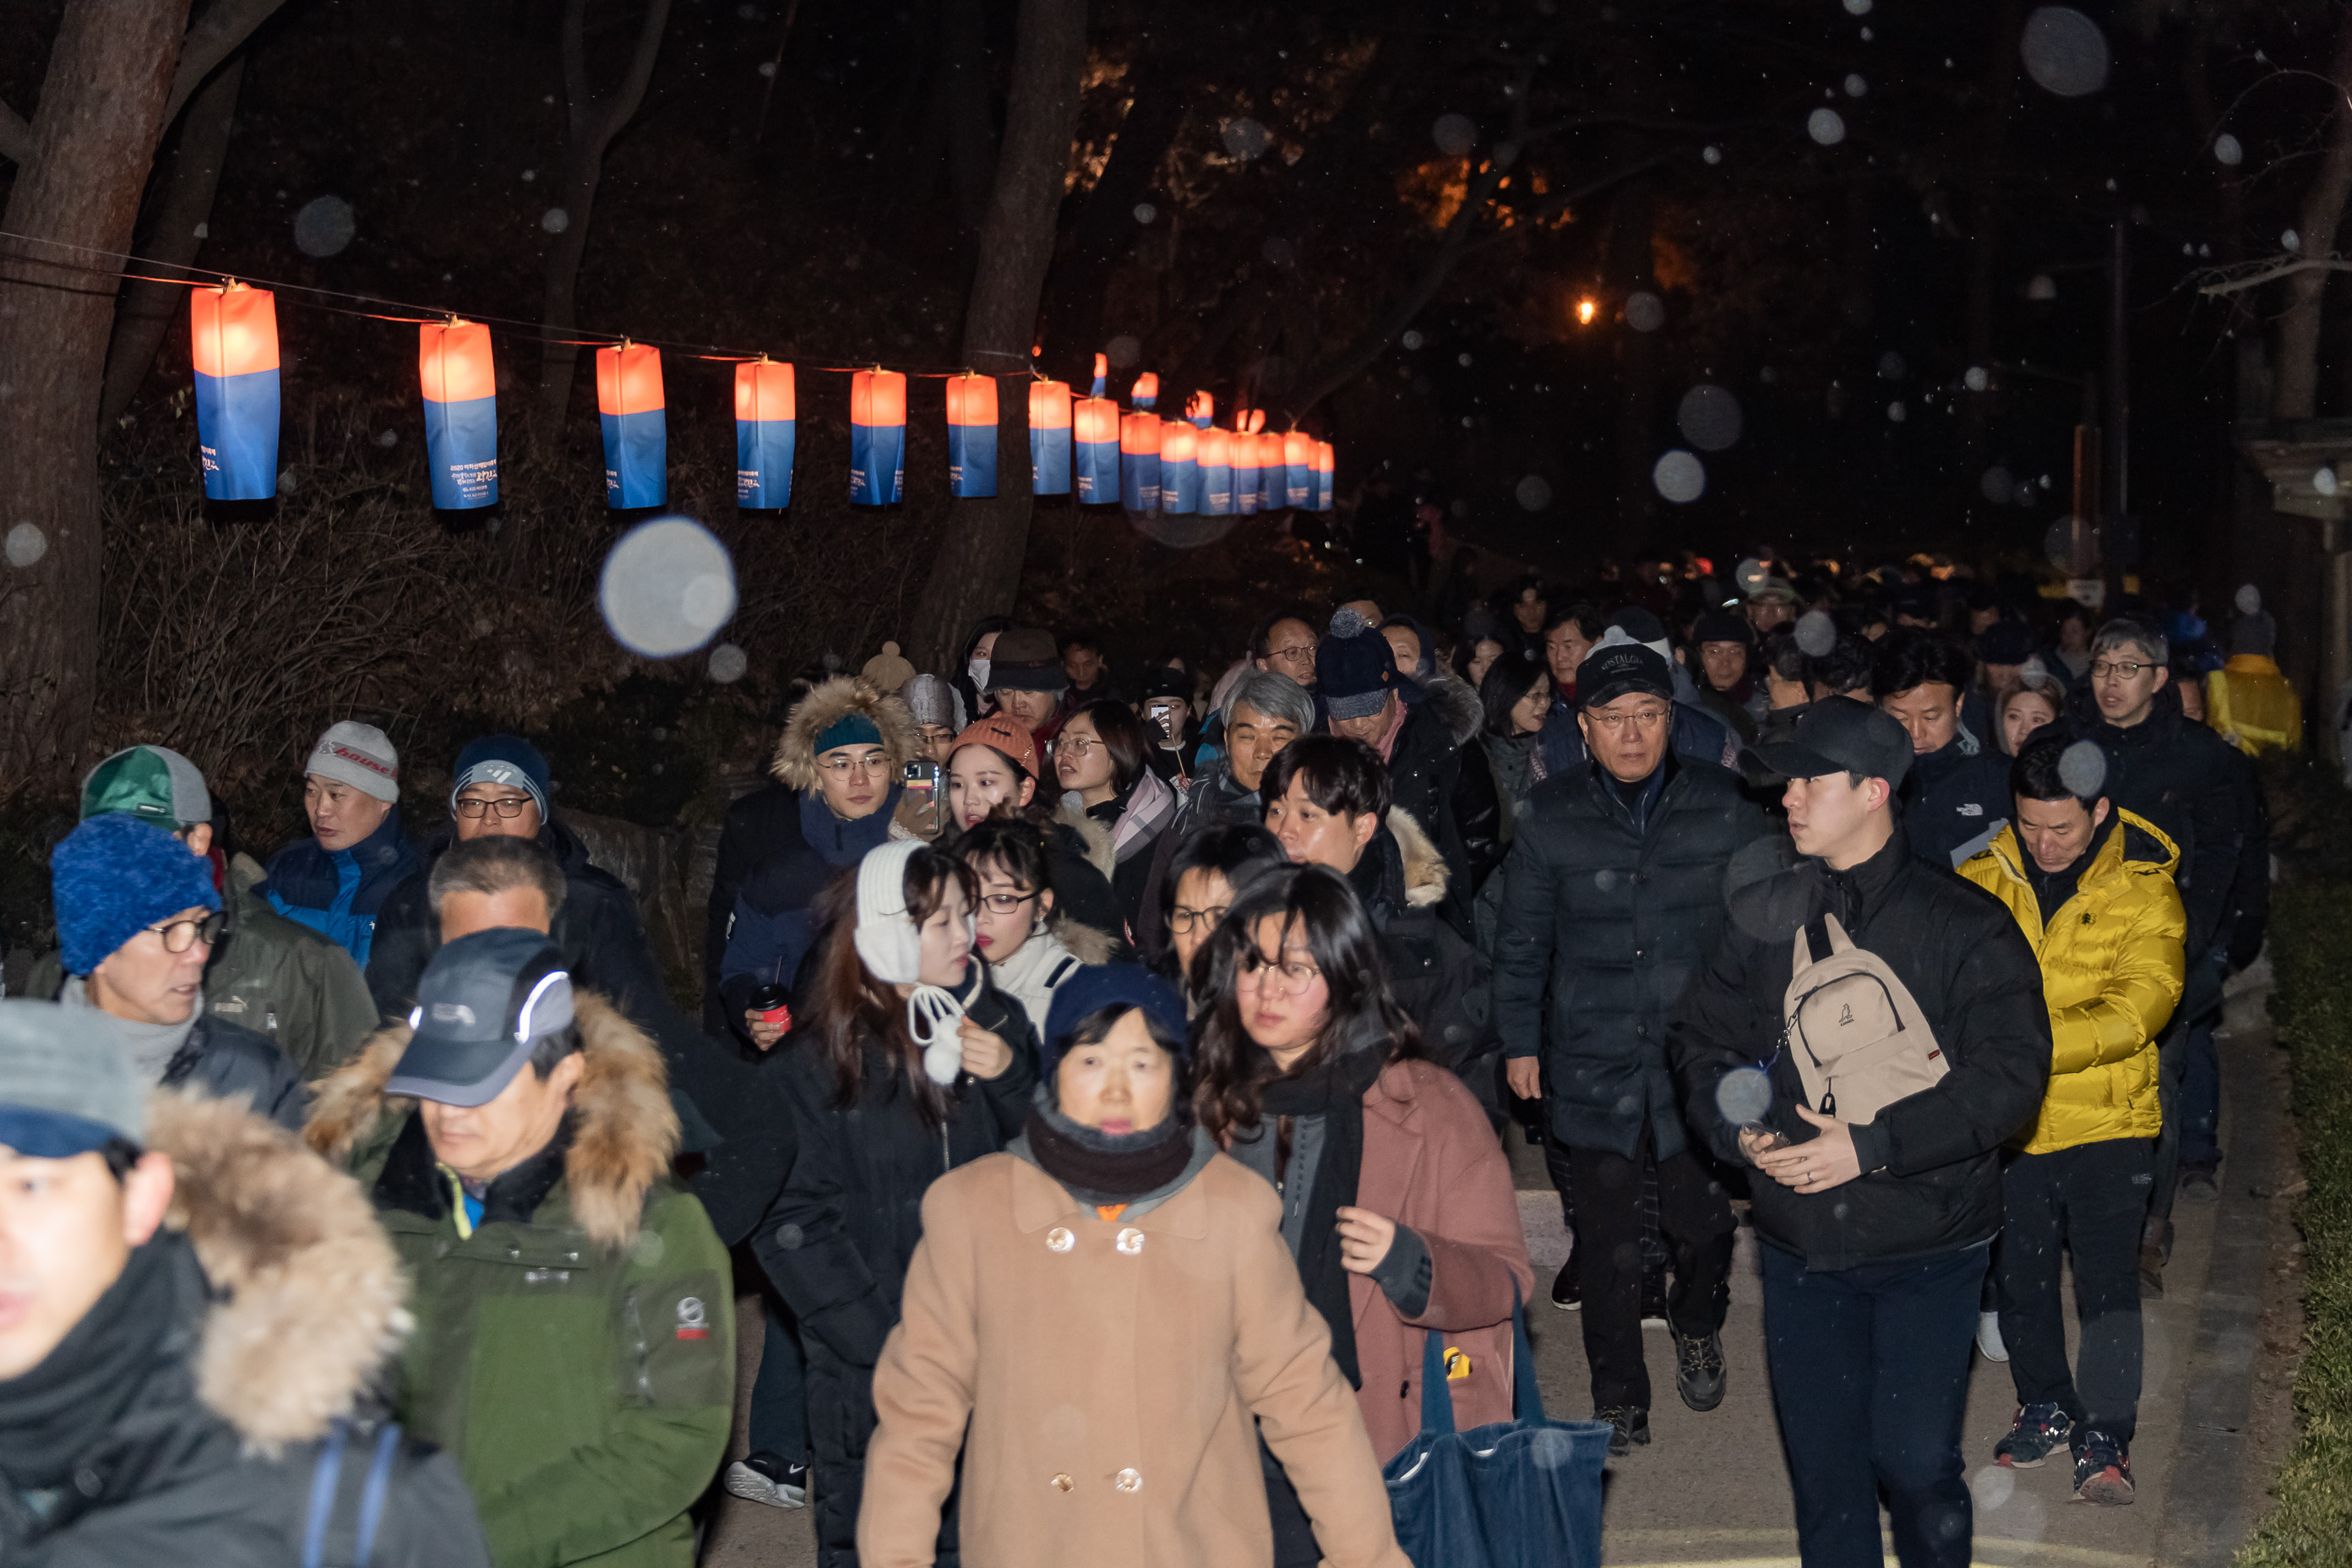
(577, 1352)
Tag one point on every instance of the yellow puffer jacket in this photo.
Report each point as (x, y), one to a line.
(2250, 705)
(2111, 971)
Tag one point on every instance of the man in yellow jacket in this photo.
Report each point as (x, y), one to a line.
(2092, 888)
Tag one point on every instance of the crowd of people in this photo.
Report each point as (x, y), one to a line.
(1105, 1086)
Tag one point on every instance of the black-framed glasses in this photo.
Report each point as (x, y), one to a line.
(2103, 668)
(1005, 903)
(181, 935)
(1182, 921)
(509, 806)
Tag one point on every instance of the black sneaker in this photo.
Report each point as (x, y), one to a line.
(1567, 1290)
(2038, 1430)
(1698, 1368)
(2101, 1470)
(2200, 1186)
(768, 1478)
(1629, 1423)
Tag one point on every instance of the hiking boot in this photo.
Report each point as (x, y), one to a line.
(2038, 1429)
(1990, 1344)
(2200, 1186)
(1629, 1424)
(768, 1478)
(1567, 1290)
(2101, 1470)
(1698, 1368)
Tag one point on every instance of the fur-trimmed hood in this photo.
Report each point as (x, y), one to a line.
(1095, 835)
(794, 761)
(1424, 868)
(1453, 701)
(310, 1294)
(623, 1128)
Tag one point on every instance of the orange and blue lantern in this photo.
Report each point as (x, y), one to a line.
(1216, 466)
(1094, 428)
(1298, 470)
(1049, 438)
(1180, 469)
(636, 428)
(1326, 465)
(1245, 487)
(878, 437)
(1138, 449)
(461, 413)
(972, 436)
(767, 424)
(232, 330)
(1271, 478)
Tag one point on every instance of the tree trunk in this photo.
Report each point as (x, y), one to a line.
(148, 310)
(2296, 388)
(94, 134)
(977, 570)
(1106, 224)
(590, 125)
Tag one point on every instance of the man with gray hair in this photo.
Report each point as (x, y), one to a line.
(2176, 774)
(1263, 712)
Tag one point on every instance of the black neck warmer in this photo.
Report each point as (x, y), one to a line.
(1104, 1168)
(52, 1415)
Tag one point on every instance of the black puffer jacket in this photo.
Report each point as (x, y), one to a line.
(839, 1237)
(1933, 1181)
(1441, 982)
(1952, 797)
(229, 1061)
(1611, 917)
(2179, 775)
(1429, 781)
(284, 1296)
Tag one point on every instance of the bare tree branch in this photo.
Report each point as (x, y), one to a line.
(2271, 271)
(219, 32)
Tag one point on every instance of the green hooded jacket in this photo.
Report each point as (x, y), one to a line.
(576, 1352)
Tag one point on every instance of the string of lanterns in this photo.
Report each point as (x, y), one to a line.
(1085, 446)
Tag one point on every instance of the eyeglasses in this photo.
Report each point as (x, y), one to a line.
(1182, 921)
(1641, 718)
(2103, 668)
(1078, 745)
(1005, 903)
(181, 935)
(1287, 979)
(507, 805)
(1296, 653)
(842, 767)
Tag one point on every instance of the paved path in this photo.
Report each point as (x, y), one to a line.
(1712, 1488)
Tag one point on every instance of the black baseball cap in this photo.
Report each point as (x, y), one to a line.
(485, 1001)
(1840, 735)
(1617, 667)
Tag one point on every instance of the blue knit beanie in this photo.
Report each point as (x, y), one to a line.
(1355, 668)
(113, 877)
(504, 760)
(1098, 986)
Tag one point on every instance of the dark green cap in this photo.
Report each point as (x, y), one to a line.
(153, 784)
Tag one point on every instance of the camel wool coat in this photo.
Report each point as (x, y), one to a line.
(1109, 1371)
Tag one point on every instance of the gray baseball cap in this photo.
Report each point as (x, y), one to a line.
(65, 1082)
(482, 1005)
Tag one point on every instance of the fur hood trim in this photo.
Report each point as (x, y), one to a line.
(795, 759)
(624, 1132)
(1095, 835)
(1424, 868)
(312, 1299)
(1084, 942)
(1459, 705)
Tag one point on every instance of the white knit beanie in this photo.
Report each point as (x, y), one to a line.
(360, 755)
(891, 945)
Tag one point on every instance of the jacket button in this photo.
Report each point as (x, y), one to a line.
(1129, 1481)
(1131, 1241)
(1061, 1483)
(1059, 1239)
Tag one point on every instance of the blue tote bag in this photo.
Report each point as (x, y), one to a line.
(1523, 1493)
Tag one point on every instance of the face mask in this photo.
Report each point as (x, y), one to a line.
(978, 670)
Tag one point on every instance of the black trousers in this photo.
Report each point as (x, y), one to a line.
(1696, 1224)
(2090, 1199)
(1563, 1180)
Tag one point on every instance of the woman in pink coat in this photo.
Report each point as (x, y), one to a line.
(1397, 1201)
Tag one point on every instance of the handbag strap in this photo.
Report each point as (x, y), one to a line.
(1437, 1393)
(1527, 1398)
(1436, 1398)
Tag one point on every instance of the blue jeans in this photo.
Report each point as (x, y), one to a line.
(1870, 1380)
